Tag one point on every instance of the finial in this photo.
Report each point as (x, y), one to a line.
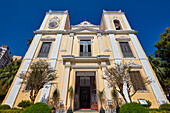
(85, 19)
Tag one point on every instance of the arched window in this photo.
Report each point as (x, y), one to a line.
(117, 25)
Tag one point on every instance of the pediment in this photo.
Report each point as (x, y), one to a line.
(123, 38)
(85, 29)
(133, 65)
(47, 38)
(85, 23)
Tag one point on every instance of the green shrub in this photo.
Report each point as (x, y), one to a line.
(24, 103)
(10, 111)
(149, 104)
(133, 108)
(165, 107)
(38, 108)
(4, 106)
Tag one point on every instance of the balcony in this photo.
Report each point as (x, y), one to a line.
(84, 54)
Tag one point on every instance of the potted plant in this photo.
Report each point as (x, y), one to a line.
(70, 90)
(100, 95)
(115, 96)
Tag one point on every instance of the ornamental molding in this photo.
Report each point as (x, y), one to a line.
(54, 22)
(123, 38)
(133, 65)
(116, 18)
(92, 32)
(47, 38)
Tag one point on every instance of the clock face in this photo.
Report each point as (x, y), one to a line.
(53, 24)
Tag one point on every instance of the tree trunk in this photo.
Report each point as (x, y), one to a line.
(124, 97)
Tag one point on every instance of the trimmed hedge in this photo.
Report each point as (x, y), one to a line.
(165, 107)
(24, 104)
(10, 111)
(4, 107)
(133, 108)
(38, 108)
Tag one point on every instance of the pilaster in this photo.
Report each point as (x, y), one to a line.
(100, 43)
(145, 64)
(70, 44)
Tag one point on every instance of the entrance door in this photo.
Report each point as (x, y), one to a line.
(85, 91)
(85, 97)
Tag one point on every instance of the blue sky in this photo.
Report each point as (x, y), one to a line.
(19, 18)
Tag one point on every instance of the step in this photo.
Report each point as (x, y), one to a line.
(86, 111)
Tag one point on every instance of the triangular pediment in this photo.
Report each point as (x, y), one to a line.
(85, 26)
(85, 29)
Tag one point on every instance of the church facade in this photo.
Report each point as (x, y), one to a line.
(80, 54)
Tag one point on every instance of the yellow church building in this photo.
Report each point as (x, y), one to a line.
(80, 54)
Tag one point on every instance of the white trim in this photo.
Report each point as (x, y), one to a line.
(17, 84)
(126, 22)
(100, 43)
(33, 47)
(136, 46)
(85, 67)
(65, 85)
(45, 21)
(114, 46)
(63, 21)
(107, 21)
(56, 46)
(106, 86)
(70, 45)
(154, 85)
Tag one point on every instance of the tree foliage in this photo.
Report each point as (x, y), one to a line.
(29, 41)
(7, 75)
(100, 95)
(40, 74)
(119, 76)
(160, 61)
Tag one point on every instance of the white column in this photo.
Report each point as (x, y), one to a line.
(65, 83)
(107, 21)
(70, 44)
(106, 87)
(154, 85)
(126, 22)
(63, 21)
(118, 60)
(26, 62)
(100, 43)
(46, 89)
(45, 21)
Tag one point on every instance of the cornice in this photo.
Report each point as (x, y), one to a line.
(81, 32)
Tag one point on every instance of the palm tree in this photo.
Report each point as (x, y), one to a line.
(29, 41)
(115, 96)
(56, 95)
(70, 90)
(101, 94)
(7, 75)
(157, 66)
